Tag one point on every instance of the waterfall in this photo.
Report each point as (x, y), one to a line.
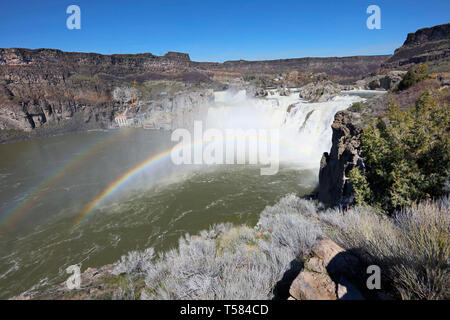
(305, 128)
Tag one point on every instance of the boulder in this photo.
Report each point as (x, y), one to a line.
(326, 275)
(313, 286)
(326, 250)
(347, 291)
(339, 263)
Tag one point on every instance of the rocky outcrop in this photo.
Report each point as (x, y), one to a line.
(382, 81)
(282, 91)
(334, 187)
(179, 56)
(260, 92)
(46, 87)
(330, 274)
(320, 91)
(424, 35)
(430, 45)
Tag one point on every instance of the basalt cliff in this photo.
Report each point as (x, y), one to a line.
(55, 91)
(427, 45)
(335, 166)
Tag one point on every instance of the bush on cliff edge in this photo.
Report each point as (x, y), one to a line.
(414, 75)
(406, 155)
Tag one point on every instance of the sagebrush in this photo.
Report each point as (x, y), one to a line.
(228, 262)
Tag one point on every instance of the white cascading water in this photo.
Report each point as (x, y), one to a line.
(305, 128)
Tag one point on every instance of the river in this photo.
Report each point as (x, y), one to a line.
(88, 198)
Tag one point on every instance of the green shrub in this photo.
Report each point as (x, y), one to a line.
(406, 155)
(360, 186)
(356, 107)
(415, 74)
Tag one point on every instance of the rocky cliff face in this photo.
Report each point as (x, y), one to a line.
(424, 35)
(179, 111)
(334, 187)
(430, 45)
(47, 87)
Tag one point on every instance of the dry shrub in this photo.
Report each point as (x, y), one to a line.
(411, 249)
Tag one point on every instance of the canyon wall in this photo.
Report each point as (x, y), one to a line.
(427, 45)
(47, 86)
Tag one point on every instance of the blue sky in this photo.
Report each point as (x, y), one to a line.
(218, 30)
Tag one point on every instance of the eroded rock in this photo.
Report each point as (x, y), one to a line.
(334, 187)
(326, 274)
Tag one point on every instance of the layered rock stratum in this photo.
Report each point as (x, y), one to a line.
(427, 45)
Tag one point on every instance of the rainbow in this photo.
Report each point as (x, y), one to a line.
(17, 212)
(120, 182)
(152, 160)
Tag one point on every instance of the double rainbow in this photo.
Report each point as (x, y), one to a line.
(13, 215)
(152, 160)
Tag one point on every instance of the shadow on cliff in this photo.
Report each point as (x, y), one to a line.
(281, 289)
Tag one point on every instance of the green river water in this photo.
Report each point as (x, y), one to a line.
(45, 184)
